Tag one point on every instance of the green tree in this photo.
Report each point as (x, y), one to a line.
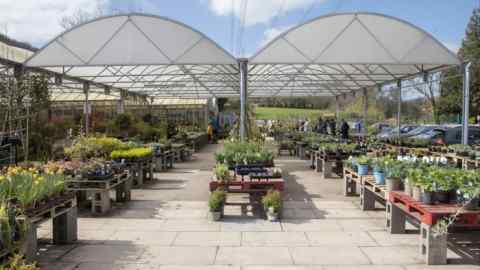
(451, 89)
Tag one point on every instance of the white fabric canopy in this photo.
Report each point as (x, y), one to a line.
(155, 56)
(340, 53)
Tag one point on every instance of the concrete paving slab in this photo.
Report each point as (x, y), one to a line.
(104, 253)
(249, 225)
(341, 213)
(387, 239)
(183, 213)
(155, 238)
(52, 253)
(208, 239)
(362, 267)
(309, 225)
(200, 267)
(298, 205)
(299, 213)
(179, 255)
(189, 225)
(331, 255)
(94, 236)
(398, 255)
(336, 204)
(105, 266)
(358, 225)
(58, 266)
(286, 239)
(253, 256)
(133, 224)
(441, 267)
(340, 239)
(278, 267)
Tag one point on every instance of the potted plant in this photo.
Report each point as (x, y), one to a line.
(216, 203)
(379, 171)
(362, 165)
(394, 173)
(427, 187)
(222, 173)
(272, 203)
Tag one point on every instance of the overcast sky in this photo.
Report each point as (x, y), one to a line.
(37, 21)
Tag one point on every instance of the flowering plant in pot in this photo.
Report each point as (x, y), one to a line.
(362, 165)
(216, 203)
(272, 203)
(412, 182)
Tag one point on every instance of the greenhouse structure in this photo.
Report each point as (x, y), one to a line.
(142, 172)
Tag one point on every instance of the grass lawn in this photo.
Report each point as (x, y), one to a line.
(274, 113)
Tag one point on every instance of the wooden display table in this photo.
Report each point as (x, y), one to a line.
(63, 213)
(249, 185)
(370, 192)
(100, 190)
(163, 161)
(325, 162)
(432, 245)
(141, 171)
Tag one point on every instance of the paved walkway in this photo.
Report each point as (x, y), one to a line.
(166, 227)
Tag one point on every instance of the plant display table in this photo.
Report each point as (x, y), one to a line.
(181, 152)
(163, 161)
(370, 192)
(100, 190)
(63, 213)
(433, 245)
(197, 141)
(325, 163)
(249, 184)
(301, 149)
(141, 171)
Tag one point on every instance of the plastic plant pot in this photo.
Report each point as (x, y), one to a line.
(393, 184)
(427, 197)
(379, 177)
(442, 196)
(417, 193)
(362, 170)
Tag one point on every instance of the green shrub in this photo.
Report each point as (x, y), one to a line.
(217, 200)
(272, 199)
(222, 173)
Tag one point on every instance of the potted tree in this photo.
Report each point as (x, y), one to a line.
(272, 204)
(216, 204)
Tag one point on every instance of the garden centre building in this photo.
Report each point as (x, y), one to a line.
(290, 200)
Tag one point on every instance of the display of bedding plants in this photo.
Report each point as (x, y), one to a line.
(85, 148)
(133, 154)
(222, 173)
(244, 153)
(338, 148)
(460, 149)
(30, 188)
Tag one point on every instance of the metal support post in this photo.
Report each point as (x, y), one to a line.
(243, 66)
(399, 108)
(466, 102)
(365, 111)
(337, 108)
(86, 110)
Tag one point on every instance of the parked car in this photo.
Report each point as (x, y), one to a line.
(450, 135)
(419, 130)
(393, 133)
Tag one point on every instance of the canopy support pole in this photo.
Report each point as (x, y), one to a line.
(399, 109)
(121, 103)
(337, 108)
(86, 110)
(243, 67)
(365, 111)
(466, 102)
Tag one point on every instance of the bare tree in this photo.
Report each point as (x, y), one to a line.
(80, 16)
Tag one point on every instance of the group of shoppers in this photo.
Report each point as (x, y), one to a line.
(327, 126)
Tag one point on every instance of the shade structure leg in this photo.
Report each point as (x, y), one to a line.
(243, 63)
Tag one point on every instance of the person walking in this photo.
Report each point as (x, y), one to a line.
(333, 127)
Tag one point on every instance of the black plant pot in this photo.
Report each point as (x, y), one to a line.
(452, 196)
(442, 196)
(427, 197)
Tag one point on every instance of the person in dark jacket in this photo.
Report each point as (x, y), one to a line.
(333, 127)
(344, 128)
